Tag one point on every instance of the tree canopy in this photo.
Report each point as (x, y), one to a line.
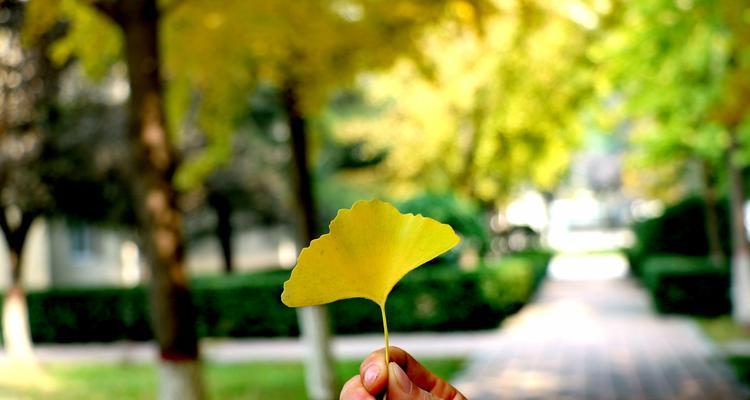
(484, 112)
(214, 57)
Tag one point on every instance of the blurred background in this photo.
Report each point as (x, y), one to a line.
(162, 162)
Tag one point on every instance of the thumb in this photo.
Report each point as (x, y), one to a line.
(400, 387)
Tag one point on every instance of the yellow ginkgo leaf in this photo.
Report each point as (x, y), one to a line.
(369, 249)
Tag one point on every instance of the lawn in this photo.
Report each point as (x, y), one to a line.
(723, 329)
(252, 380)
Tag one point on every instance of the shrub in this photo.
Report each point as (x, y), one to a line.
(681, 229)
(432, 298)
(243, 306)
(508, 284)
(539, 261)
(511, 281)
(85, 315)
(687, 285)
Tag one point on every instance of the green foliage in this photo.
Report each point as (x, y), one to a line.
(88, 315)
(679, 71)
(434, 298)
(688, 285)
(239, 306)
(539, 259)
(741, 366)
(509, 283)
(681, 229)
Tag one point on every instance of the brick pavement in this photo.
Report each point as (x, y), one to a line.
(598, 340)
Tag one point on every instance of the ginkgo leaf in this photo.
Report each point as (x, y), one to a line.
(370, 247)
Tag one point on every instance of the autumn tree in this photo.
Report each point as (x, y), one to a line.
(483, 113)
(681, 70)
(153, 164)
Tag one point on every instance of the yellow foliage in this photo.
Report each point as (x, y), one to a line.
(370, 247)
(214, 55)
(495, 110)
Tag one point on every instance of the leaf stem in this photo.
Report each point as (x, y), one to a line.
(385, 332)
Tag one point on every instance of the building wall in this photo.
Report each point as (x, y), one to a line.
(85, 255)
(62, 254)
(253, 250)
(35, 258)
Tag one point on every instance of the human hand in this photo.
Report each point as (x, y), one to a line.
(404, 379)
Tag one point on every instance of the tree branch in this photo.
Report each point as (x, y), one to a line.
(16, 236)
(4, 225)
(110, 8)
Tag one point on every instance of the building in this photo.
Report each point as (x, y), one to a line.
(67, 254)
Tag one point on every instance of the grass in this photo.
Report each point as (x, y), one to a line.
(229, 381)
(723, 329)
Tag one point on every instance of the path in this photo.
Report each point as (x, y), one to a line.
(597, 339)
(421, 345)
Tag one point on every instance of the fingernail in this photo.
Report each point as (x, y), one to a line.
(403, 381)
(371, 373)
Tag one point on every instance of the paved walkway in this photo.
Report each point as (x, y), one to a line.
(421, 345)
(598, 339)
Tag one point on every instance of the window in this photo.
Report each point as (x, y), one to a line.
(81, 241)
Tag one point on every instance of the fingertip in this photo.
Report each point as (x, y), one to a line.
(353, 390)
(373, 372)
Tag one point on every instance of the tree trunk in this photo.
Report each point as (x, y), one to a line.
(159, 219)
(16, 332)
(740, 248)
(473, 136)
(223, 210)
(716, 253)
(319, 373)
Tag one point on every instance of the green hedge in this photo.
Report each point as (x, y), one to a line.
(681, 229)
(687, 285)
(86, 315)
(508, 283)
(432, 298)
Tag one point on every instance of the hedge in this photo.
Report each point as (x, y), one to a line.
(687, 285)
(681, 229)
(510, 282)
(432, 298)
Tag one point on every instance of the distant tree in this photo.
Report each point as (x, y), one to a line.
(248, 191)
(682, 70)
(26, 109)
(483, 113)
